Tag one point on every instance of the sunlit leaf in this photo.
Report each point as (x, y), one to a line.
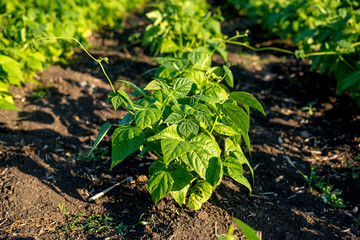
(247, 99)
(214, 172)
(199, 194)
(182, 181)
(189, 127)
(173, 148)
(182, 86)
(147, 117)
(159, 185)
(125, 141)
(103, 130)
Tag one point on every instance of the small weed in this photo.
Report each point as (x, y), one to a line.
(40, 93)
(121, 227)
(310, 109)
(95, 223)
(309, 179)
(354, 171)
(63, 209)
(97, 155)
(81, 222)
(328, 195)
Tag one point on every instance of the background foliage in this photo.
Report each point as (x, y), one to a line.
(25, 21)
(331, 27)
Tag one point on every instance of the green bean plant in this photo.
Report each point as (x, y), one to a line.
(329, 29)
(192, 122)
(182, 26)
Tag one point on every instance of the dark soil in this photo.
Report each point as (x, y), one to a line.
(42, 149)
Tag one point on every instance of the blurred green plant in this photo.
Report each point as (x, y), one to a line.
(328, 29)
(354, 171)
(310, 109)
(24, 21)
(39, 93)
(183, 26)
(97, 155)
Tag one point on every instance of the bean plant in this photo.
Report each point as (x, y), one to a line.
(182, 26)
(191, 121)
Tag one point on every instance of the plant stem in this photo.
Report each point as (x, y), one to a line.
(259, 49)
(213, 126)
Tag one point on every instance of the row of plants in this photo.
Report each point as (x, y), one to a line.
(327, 29)
(186, 115)
(23, 22)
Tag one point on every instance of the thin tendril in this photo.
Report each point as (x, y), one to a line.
(74, 39)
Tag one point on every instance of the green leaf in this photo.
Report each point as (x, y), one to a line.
(216, 90)
(207, 98)
(202, 109)
(157, 166)
(125, 141)
(204, 119)
(110, 96)
(225, 130)
(229, 78)
(234, 150)
(199, 194)
(116, 101)
(144, 150)
(125, 98)
(175, 117)
(169, 46)
(249, 233)
(147, 117)
(159, 185)
(234, 169)
(214, 172)
(13, 70)
(164, 87)
(247, 99)
(247, 142)
(189, 127)
(182, 86)
(206, 148)
(154, 16)
(173, 148)
(8, 105)
(127, 119)
(188, 110)
(103, 130)
(237, 115)
(134, 86)
(153, 85)
(349, 81)
(200, 59)
(6, 100)
(182, 180)
(168, 133)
